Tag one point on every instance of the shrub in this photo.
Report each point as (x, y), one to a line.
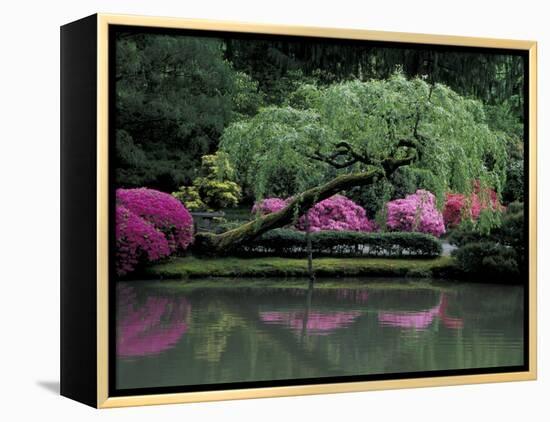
(337, 213)
(269, 206)
(162, 211)
(137, 241)
(190, 198)
(459, 207)
(213, 189)
(415, 213)
(499, 252)
(488, 259)
(292, 243)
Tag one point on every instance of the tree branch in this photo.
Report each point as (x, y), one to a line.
(214, 244)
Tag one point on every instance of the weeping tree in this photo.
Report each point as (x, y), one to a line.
(327, 140)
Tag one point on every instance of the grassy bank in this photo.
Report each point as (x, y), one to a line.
(191, 267)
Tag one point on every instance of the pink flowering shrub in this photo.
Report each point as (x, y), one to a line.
(337, 213)
(269, 206)
(459, 206)
(136, 241)
(415, 213)
(163, 211)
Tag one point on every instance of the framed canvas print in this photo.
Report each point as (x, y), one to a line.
(258, 211)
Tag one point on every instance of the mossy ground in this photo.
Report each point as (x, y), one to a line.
(192, 267)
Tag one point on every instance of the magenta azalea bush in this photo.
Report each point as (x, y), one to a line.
(336, 213)
(136, 241)
(149, 225)
(415, 213)
(163, 211)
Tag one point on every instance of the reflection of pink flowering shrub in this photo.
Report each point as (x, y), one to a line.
(457, 206)
(320, 323)
(149, 328)
(136, 241)
(269, 206)
(415, 213)
(163, 211)
(336, 213)
(421, 320)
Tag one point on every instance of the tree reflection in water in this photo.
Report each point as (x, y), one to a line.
(149, 328)
(421, 320)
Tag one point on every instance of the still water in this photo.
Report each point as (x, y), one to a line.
(174, 334)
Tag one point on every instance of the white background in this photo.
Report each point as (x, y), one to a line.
(29, 235)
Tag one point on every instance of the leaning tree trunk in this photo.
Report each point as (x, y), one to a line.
(208, 243)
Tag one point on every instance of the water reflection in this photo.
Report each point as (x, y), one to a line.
(151, 327)
(175, 334)
(423, 319)
(318, 322)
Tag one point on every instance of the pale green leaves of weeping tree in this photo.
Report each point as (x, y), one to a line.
(329, 140)
(353, 126)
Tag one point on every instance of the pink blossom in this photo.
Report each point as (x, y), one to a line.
(163, 211)
(336, 213)
(458, 206)
(136, 241)
(415, 213)
(269, 206)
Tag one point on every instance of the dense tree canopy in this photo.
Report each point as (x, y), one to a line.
(495, 79)
(355, 126)
(175, 95)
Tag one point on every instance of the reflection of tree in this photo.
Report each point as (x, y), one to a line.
(220, 322)
(149, 328)
(422, 319)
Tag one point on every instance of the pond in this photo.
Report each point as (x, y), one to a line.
(177, 333)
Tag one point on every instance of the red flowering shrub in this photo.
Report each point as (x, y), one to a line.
(136, 241)
(163, 211)
(415, 213)
(458, 206)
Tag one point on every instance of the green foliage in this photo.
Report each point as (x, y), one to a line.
(268, 151)
(499, 252)
(489, 259)
(190, 197)
(513, 190)
(292, 243)
(191, 267)
(212, 189)
(273, 151)
(492, 78)
(174, 96)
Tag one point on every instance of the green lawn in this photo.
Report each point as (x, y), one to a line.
(192, 267)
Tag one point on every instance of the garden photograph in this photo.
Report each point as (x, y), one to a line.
(297, 210)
